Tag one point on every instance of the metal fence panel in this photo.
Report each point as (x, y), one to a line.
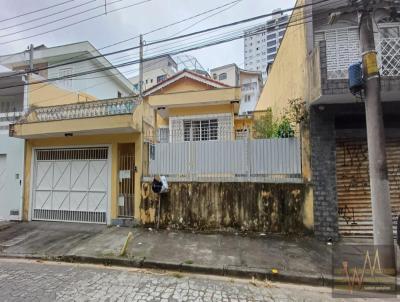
(239, 160)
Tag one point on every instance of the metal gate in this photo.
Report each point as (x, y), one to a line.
(71, 184)
(126, 180)
(353, 189)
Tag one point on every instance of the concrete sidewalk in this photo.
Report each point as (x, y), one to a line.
(299, 260)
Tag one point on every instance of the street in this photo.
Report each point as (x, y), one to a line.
(25, 280)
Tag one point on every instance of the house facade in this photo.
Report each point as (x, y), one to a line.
(85, 122)
(250, 83)
(154, 72)
(191, 107)
(311, 65)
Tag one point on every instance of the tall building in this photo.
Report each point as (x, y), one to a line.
(261, 43)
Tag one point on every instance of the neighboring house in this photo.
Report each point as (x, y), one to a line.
(192, 107)
(154, 72)
(83, 159)
(261, 43)
(12, 104)
(250, 83)
(312, 65)
(102, 85)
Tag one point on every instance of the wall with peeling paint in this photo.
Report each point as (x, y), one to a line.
(257, 207)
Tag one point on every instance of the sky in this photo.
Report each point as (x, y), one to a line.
(126, 23)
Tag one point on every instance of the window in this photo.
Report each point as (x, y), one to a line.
(281, 33)
(271, 43)
(119, 94)
(223, 76)
(135, 87)
(271, 36)
(215, 76)
(271, 57)
(151, 80)
(200, 130)
(66, 82)
(163, 135)
(161, 78)
(272, 49)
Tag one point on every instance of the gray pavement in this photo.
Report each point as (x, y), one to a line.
(300, 259)
(26, 280)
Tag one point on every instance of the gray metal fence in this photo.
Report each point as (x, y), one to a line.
(256, 160)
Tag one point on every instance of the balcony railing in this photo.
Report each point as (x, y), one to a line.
(86, 110)
(342, 49)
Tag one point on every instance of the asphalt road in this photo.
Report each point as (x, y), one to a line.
(25, 280)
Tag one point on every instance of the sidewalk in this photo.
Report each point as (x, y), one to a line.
(299, 260)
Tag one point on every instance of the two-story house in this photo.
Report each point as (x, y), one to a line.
(312, 65)
(64, 153)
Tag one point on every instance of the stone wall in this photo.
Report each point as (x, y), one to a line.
(253, 207)
(323, 164)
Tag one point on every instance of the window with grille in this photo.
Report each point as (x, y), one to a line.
(200, 130)
(163, 135)
(65, 80)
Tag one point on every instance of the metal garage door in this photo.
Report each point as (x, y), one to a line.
(71, 184)
(353, 189)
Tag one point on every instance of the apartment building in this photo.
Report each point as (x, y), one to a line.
(261, 43)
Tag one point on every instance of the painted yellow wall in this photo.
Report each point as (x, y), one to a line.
(288, 76)
(291, 78)
(112, 140)
(46, 94)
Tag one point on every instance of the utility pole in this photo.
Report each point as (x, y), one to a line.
(30, 58)
(380, 191)
(141, 68)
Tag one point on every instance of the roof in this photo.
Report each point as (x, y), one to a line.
(186, 74)
(74, 49)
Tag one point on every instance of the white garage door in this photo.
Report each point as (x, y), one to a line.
(71, 184)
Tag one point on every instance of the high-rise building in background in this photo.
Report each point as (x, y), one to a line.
(262, 41)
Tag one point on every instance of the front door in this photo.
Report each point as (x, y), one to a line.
(126, 180)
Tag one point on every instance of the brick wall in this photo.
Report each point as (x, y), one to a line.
(323, 164)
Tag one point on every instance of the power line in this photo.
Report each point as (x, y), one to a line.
(36, 11)
(179, 37)
(77, 22)
(175, 52)
(162, 27)
(50, 15)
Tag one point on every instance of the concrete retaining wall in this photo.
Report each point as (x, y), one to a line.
(269, 208)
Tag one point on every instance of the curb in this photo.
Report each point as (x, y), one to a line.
(227, 271)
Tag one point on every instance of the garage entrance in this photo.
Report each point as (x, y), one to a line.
(71, 184)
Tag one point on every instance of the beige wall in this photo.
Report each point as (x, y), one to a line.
(47, 94)
(288, 76)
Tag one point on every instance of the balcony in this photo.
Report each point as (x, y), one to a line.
(95, 117)
(335, 50)
(85, 110)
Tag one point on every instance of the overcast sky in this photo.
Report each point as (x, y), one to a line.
(126, 23)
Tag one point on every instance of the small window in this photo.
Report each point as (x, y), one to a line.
(151, 80)
(215, 76)
(223, 76)
(119, 94)
(161, 78)
(271, 43)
